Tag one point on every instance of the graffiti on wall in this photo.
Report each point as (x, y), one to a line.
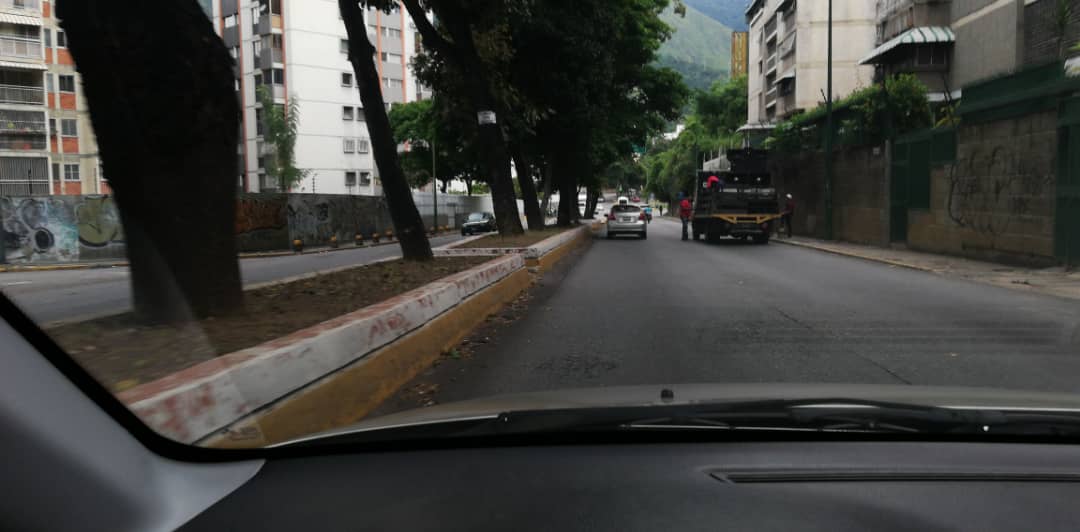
(996, 186)
(260, 222)
(315, 218)
(61, 228)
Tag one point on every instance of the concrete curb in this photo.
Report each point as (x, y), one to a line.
(242, 256)
(202, 400)
(855, 255)
(532, 252)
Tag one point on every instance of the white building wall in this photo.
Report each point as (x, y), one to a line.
(854, 35)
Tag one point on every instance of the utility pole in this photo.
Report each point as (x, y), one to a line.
(829, 139)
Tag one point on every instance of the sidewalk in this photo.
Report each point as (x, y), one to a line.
(1053, 281)
(245, 255)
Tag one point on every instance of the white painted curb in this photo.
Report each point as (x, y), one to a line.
(532, 252)
(196, 402)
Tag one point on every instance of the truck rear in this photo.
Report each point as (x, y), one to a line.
(736, 199)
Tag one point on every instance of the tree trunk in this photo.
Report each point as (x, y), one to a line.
(568, 209)
(547, 188)
(408, 226)
(468, 187)
(180, 132)
(591, 196)
(533, 214)
(463, 54)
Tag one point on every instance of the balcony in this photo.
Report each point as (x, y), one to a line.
(22, 142)
(267, 23)
(787, 46)
(22, 122)
(268, 57)
(20, 47)
(22, 94)
(22, 7)
(770, 30)
(770, 64)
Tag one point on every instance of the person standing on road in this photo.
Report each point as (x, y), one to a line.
(789, 210)
(685, 211)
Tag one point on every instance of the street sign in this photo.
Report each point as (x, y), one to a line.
(485, 117)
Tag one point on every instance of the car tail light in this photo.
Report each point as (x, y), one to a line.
(641, 216)
(765, 226)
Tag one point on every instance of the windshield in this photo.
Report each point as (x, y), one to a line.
(261, 232)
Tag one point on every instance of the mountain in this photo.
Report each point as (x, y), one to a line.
(699, 48)
(731, 13)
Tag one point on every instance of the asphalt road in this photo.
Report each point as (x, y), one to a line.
(64, 295)
(663, 311)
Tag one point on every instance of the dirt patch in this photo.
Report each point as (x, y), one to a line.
(121, 353)
(515, 241)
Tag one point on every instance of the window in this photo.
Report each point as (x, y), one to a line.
(392, 83)
(48, 38)
(61, 39)
(55, 171)
(71, 172)
(258, 79)
(230, 21)
(52, 128)
(258, 121)
(393, 58)
(350, 179)
(49, 83)
(931, 56)
(67, 83)
(349, 145)
(69, 127)
(343, 46)
(262, 161)
(365, 178)
(360, 114)
(234, 53)
(347, 112)
(279, 76)
(346, 79)
(362, 146)
(256, 49)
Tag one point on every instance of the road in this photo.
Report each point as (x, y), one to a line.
(50, 296)
(663, 311)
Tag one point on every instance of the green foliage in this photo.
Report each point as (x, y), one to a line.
(280, 127)
(421, 122)
(670, 167)
(865, 116)
(699, 47)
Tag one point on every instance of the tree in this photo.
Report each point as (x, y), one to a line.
(408, 225)
(281, 125)
(181, 246)
(417, 123)
(460, 49)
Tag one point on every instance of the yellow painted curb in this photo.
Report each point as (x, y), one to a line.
(350, 394)
(549, 260)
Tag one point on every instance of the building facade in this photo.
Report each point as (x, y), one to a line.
(47, 144)
(298, 50)
(788, 51)
(740, 42)
(948, 44)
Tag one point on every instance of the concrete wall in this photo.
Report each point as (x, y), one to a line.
(1042, 40)
(61, 229)
(997, 201)
(989, 38)
(859, 193)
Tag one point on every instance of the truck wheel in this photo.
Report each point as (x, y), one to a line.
(697, 235)
(761, 239)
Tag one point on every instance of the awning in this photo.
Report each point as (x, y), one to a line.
(790, 74)
(20, 19)
(24, 66)
(756, 127)
(924, 35)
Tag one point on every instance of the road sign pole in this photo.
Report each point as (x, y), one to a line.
(829, 138)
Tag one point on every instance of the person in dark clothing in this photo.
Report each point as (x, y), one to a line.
(789, 211)
(685, 211)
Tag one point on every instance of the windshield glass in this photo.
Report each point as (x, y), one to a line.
(269, 216)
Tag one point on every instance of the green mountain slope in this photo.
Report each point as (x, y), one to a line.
(699, 49)
(731, 13)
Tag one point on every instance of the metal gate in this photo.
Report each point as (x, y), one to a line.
(898, 192)
(912, 157)
(1067, 213)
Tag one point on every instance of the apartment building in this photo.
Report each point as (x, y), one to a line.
(948, 44)
(788, 50)
(75, 166)
(24, 133)
(298, 50)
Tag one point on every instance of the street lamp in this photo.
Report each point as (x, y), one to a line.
(829, 139)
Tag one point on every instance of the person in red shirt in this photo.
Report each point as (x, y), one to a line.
(686, 209)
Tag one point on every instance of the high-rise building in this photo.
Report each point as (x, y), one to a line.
(788, 54)
(24, 133)
(740, 50)
(298, 50)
